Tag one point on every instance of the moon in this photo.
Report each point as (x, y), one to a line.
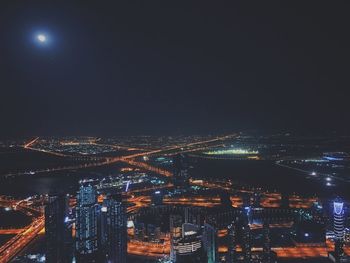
(42, 38)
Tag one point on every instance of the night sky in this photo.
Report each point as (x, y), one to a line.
(161, 67)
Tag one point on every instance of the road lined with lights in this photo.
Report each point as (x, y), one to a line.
(110, 160)
(11, 231)
(23, 236)
(16, 244)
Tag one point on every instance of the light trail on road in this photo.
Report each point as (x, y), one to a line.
(11, 231)
(16, 244)
(27, 145)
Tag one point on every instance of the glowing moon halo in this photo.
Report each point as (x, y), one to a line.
(41, 38)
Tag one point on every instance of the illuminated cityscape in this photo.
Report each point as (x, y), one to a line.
(166, 208)
(158, 132)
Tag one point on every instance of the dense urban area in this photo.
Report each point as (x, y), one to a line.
(217, 198)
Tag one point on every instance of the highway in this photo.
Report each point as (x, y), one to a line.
(11, 231)
(16, 244)
(23, 236)
(110, 160)
(30, 143)
(147, 167)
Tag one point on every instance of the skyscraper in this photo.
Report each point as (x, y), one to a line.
(175, 233)
(189, 247)
(209, 238)
(231, 251)
(339, 228)
(86, 242)
(338, 217)
(58, 230)
(246, 238)
(114, 229)
(181, 173)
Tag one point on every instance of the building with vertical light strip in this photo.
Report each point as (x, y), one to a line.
(86, 241)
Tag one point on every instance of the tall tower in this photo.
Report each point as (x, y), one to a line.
(114, 229)
(231, 252)
(189, 247)
(58, 230)
(175, 233)
(339, 228)
(86, 242)
(246, 243)
(210, 242)
(246, 237)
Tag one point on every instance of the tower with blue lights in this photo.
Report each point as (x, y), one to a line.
(86, 241)
(339, 229)
(338, 217)
(113, 213)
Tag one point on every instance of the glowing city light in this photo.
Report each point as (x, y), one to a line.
(127, 186)
(235, 151)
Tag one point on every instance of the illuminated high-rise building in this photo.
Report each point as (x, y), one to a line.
(176, 222)
(189, 247)
(86, 241)
(339, 228)
(231, 251)
(58, 230)
(246, 243)
(246, 237)
(210, 242)
(114, 231)
(338, 217)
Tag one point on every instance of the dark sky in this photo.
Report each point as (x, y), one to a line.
(173, 67)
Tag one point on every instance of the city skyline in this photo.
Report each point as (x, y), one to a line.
(174, 132)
